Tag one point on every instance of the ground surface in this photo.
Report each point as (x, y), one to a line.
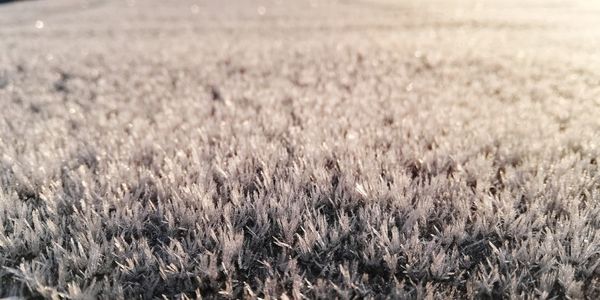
(351, 148)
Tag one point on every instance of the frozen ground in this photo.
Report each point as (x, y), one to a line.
(350, 148)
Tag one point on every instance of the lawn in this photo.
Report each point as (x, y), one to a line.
(299, 149)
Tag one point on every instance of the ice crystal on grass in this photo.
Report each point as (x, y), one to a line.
(286, 155)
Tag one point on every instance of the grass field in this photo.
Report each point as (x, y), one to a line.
(299, 149)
